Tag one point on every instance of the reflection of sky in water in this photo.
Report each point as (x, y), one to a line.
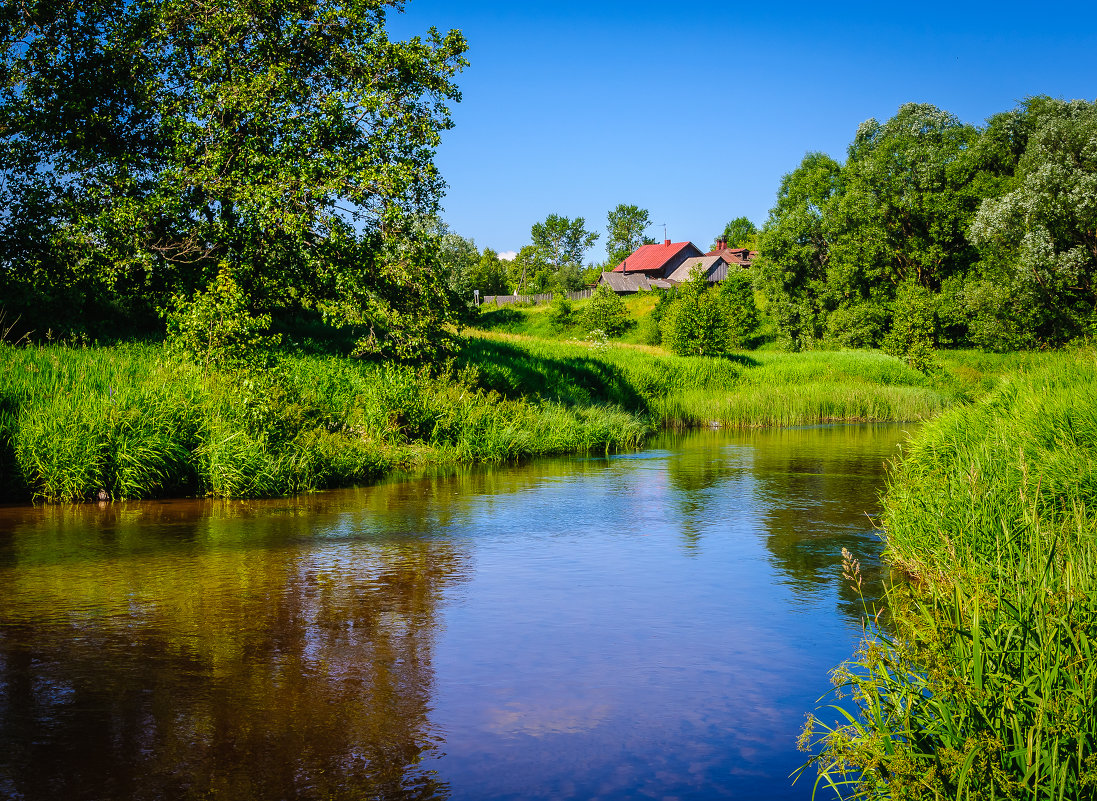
(648, 625)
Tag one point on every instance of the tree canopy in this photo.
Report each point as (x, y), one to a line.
(625, 229)
(559, 243)
(739, 233)
(150, 145)
(985, 235)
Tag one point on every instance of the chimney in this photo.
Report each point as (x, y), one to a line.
(721, 244)
(666, 243)
(624, 266)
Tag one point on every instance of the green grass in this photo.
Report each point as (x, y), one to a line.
(756, 389)
(132, 422)
(986, 684)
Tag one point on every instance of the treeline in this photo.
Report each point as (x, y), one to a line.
(935, 232)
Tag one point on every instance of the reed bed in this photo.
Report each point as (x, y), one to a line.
(130, 422)
(985, 685)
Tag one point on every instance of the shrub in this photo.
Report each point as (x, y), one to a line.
(606, 312)
(216, 329)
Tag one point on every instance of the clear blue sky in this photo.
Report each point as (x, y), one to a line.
(695, 110)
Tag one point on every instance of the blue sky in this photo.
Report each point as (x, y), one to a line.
(695, 111)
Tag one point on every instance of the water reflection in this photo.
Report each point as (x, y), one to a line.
(654, 624)
(187, 650)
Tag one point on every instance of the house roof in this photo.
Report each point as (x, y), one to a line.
(625, 282)
(653, 258)
(741, 257)
(710, 266)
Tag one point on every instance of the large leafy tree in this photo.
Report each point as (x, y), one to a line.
(153, 144)
(740, 233)
(625, 226)
(791, 270)
(560, 243)
(1039, 241)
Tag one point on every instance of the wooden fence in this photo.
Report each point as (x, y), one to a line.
(506, 300)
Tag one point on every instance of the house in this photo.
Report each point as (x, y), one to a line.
(649, 266)
(714, 268)
(628, 283)
(658, 261)
(735, 257)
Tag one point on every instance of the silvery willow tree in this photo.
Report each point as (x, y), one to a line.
(1038, 278)
(154, 147)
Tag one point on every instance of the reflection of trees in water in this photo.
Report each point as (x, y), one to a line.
(707, 460)
(817, 488)
(812, 488)
(231, 672)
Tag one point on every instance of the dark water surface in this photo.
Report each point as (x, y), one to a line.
(653, 625)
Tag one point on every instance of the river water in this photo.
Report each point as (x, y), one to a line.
(651, 625)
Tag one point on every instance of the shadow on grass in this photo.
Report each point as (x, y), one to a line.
(572, 381)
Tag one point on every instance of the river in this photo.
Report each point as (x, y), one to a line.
(649, 625)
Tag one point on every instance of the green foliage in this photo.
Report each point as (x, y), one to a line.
(216, 329)
(561, 311)
(795, 250)
(736, 296)
(984, 684)
(913, 335)
(996, 223)
(625, 232)
(606, 312)
(740, 233)
(697, 323)
(290, 143)
(1040, 239)
(770, 389)
(133, 422)
(559, 243)
(709, 321)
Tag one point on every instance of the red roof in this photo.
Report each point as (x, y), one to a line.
(652, 258)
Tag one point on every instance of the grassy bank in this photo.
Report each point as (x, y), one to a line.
(755, 389)
(986, 686)
(132, 422)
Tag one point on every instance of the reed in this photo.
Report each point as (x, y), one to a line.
(129, 422)
(985, 684)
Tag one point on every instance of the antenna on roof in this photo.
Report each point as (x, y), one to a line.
(664, 230)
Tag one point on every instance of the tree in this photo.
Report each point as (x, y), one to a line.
(489, 274)
(625, 229)
(1039, 241)
(791, 269)
(157, 144)
(560, 243)
(697, 322)
(740, 233)
(606, 312)
(736, 294)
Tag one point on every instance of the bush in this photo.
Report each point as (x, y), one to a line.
(216, 329)
(561, 311)
(606, 312)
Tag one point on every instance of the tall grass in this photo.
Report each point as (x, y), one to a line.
(130, 422)
(986, 686)
(759, 389)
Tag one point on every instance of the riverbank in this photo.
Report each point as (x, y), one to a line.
(133, 422)
(986, 684)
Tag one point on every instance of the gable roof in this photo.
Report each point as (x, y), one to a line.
(714, 268)
(625, 282)
(653, 258)
(740, 257)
